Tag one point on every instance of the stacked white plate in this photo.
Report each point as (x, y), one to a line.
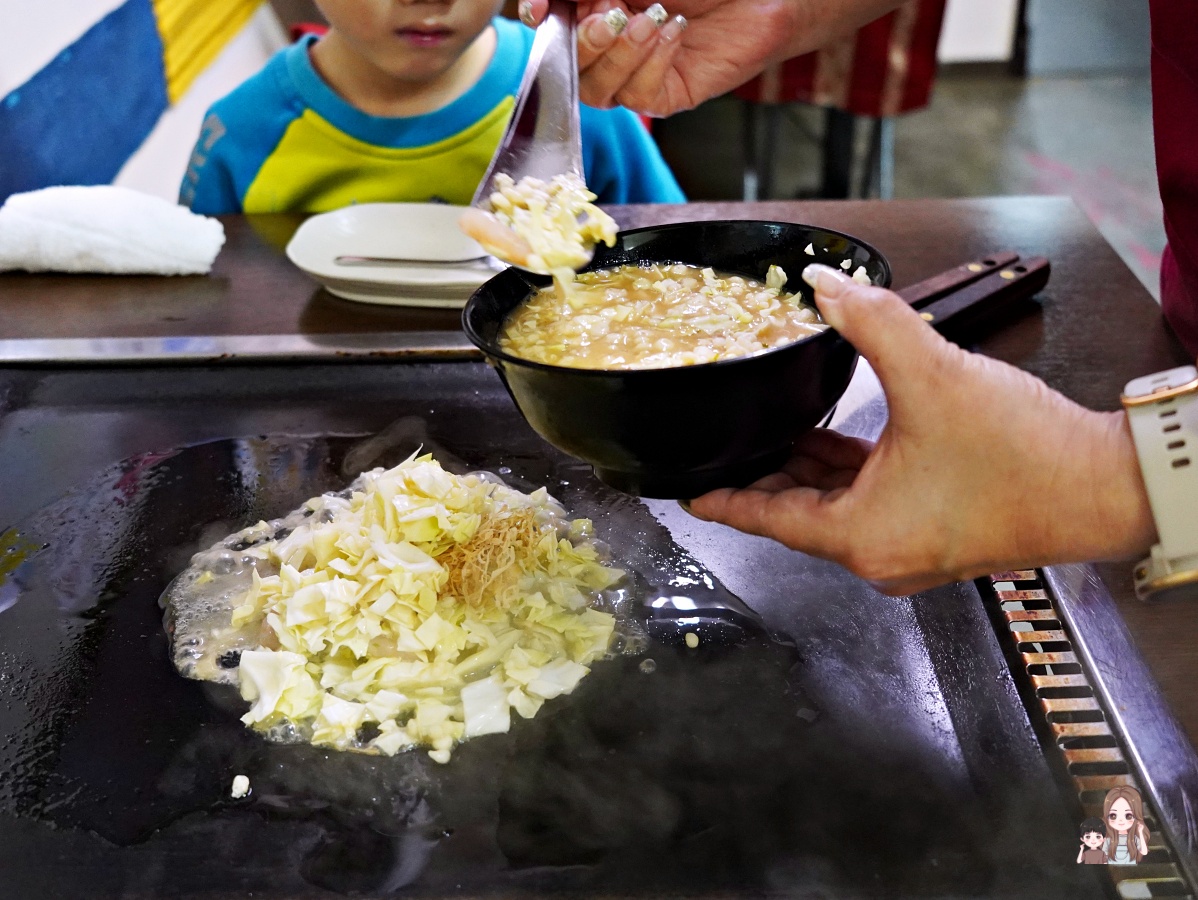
(424, 234)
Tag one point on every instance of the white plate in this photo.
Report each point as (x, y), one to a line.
(427, 231)
(398, 295)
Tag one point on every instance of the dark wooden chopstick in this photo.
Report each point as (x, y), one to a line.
(963, 312)
(931, 289)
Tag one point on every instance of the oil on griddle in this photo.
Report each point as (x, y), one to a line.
(679, 772)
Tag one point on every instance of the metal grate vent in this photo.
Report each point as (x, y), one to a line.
(1074, 722)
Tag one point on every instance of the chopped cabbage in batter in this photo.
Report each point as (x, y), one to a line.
(420, 608)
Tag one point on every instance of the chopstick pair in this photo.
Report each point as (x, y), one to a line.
(959, 301)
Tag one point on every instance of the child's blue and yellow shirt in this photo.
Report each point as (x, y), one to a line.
(284, 141)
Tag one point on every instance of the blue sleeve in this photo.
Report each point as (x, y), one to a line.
(622, 162)
(239, 132)
(208, 182)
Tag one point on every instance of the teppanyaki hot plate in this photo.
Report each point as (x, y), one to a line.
(884, 754)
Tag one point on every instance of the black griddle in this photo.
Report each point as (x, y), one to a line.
(879, 749)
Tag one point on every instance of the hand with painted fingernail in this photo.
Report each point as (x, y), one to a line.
(980, 468)
(676, 54)
(640, 48)
(525, 11)
(598, 32)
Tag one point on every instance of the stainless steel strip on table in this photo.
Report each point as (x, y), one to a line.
(241, 348)
(1165, 761)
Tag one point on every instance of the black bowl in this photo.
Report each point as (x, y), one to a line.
(680, 432)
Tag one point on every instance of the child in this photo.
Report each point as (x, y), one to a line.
(397, 102)
(1093, 835)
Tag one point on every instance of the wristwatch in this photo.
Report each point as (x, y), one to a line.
(1163, 412)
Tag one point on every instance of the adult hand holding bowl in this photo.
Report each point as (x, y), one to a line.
(972, 444)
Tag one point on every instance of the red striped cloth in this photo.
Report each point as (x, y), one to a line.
(887, 67)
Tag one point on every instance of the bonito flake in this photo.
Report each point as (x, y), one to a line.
(421, 610)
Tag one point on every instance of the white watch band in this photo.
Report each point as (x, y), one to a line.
(1162, 410)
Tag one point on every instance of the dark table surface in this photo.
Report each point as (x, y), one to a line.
(1098, 326)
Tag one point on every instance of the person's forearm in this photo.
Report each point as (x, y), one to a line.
(1125, 499)
(1110, 517)
(819, 22)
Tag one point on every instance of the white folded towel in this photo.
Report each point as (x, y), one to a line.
(105, 229)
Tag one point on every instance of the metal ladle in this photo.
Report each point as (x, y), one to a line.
(544, 137)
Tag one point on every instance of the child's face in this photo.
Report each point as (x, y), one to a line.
(411, 40)
(1092, 839)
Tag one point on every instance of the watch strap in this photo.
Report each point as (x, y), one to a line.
(1162, 411)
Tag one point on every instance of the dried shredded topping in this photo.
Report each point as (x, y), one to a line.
(484, 568)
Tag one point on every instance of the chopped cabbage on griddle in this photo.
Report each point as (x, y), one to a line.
(421, 610)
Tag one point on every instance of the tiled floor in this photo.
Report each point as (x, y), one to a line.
(982, 135)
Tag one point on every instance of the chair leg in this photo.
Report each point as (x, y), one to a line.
(886, 158)
(839, 127)
(749, 183)
(869, 171)
(773, 114)
(879, 161)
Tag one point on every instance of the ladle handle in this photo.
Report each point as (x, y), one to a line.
(924, 292)
(960, 313)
